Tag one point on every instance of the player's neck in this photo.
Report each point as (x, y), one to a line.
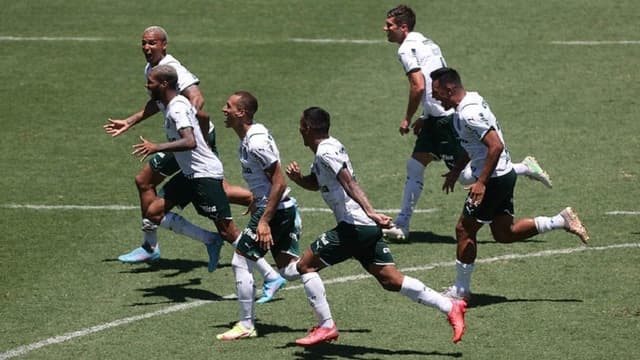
(168, 96)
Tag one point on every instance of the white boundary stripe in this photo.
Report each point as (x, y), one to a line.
(619, 212)
(594, 42)
(82, 38)
(22, 350)
(50, 38)
(130, 207)
(337, 41)
(68, 207)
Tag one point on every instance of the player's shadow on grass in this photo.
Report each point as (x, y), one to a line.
(178, 293)
(179, 266)
(425, 237)
(333, 350)
(478, 300)
(433, 238)
(265, 329)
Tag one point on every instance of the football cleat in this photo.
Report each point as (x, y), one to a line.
(396, 233)
(139, 255)
(536, 172)
(213, 249)
(318, 335)
(237, 332)
(456, 319)
(453, 293)
(573, 224)
(270, 288)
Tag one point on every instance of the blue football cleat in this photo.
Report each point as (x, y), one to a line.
(139, 255)
(214, 252)
(270, 288)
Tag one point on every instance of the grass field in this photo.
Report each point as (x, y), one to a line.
(68, 203)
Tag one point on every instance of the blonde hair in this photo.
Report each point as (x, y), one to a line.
(158, 30)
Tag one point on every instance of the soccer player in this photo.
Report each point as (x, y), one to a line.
(490, 197)
(274, 226)
(162, 165)
(200, 178)
(358, 233)
(436, 139)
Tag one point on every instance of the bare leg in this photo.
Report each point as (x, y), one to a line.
(146, 182)
(237, 194)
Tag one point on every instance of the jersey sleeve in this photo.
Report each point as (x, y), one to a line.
(179, 114)
(185, 78)
(408, 60)
(475, 121)
(263, 150)
(332, 162)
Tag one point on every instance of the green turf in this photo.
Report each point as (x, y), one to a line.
(573, 107)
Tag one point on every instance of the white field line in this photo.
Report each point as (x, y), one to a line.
(22, 350)
(68, 207)
(337, 41)
(131, 207)
(309, 40)
(84, 38)
(596, 43)
(50, 38)
(620, 212)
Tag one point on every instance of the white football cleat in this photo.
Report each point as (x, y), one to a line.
(453, 293)
(396, 233)
(573, 224)
(536, 172)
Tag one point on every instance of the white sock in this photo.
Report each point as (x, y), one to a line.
(266, 270)
(314, 288)
(149, 233)
(415, 290)
(412, 190)
(245, 289)
(521, 169)
(182, 226)
(544, 223)
(290, 272)
(463, 277)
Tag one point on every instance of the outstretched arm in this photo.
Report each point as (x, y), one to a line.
(115, 127)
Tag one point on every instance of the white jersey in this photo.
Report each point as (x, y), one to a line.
(201, 161)
(330, 158)
(472, 120)
(185, 78)
(418, 52)
(257, 152)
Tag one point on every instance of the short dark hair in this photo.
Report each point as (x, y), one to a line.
(316, 118)
(247, 102)
(403, 15)
(446, 76)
